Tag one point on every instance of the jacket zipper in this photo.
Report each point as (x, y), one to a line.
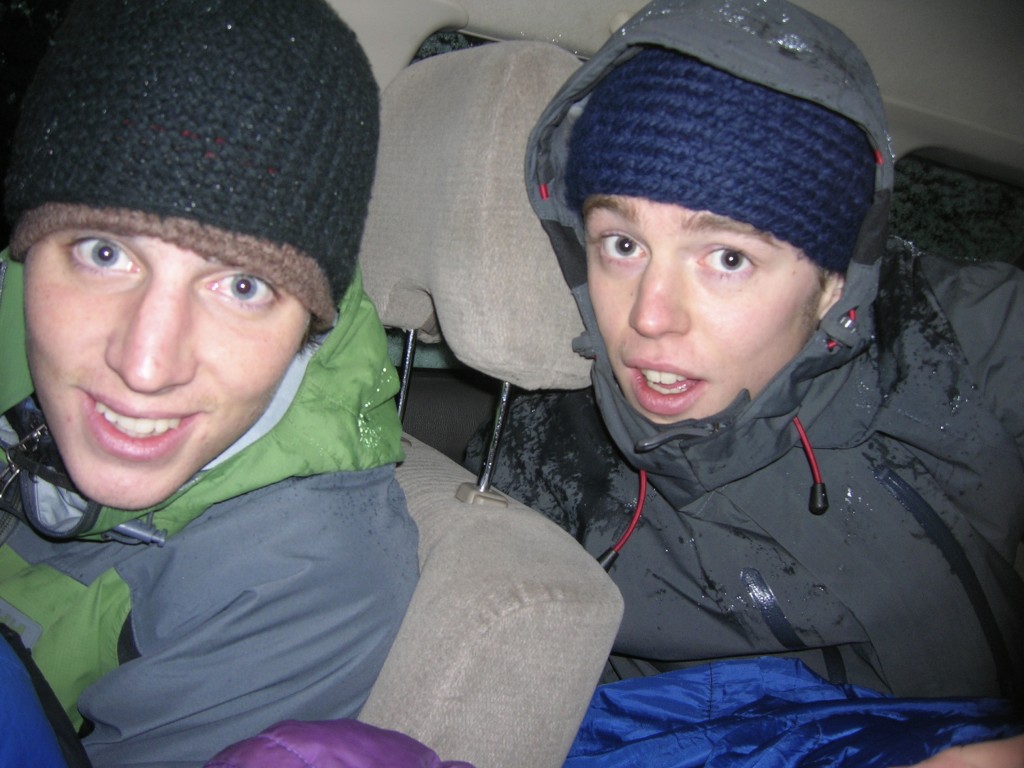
(954, 554)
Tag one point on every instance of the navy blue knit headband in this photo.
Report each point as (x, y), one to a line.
(665, 127)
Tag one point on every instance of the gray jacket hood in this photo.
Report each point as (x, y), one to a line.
(779, 45)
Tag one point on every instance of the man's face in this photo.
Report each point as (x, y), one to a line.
(149, 360)
(694, 308)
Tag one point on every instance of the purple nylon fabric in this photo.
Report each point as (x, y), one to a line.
(330, 744)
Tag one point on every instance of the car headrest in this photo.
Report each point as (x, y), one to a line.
(452, 248)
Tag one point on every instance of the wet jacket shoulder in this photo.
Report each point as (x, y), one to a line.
(948, 349)
(984, 304)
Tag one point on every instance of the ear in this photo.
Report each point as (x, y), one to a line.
(831, 289)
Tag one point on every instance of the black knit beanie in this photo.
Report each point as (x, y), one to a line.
(669, 128)
(245, 130)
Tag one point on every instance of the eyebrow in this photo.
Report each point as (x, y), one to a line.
(699, 221)
(618, 205)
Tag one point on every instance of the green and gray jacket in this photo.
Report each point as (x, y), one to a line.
(269, 587)
(911, 396)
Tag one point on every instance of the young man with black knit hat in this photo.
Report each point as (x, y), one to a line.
(715, 182)
(202, 533)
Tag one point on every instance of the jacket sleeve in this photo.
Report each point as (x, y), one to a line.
(985, 306)
(280, 604)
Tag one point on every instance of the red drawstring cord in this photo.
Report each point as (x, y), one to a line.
(636, 514)
(608, 558)
(818, 504)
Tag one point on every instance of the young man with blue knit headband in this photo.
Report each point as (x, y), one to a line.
(827, 422)
(201, 532)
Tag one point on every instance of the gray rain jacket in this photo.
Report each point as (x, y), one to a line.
(911, 396)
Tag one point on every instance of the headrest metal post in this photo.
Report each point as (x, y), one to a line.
(408, 355)
(500, 416)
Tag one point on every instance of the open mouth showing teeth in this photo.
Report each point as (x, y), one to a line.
(137, 427)
(666, 383)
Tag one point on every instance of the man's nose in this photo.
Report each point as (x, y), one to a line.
(153, 347)
(661, 303)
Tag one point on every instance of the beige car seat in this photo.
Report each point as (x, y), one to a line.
(512, 620)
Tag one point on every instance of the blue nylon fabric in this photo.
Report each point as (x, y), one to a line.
(26, 737)
(772, 713)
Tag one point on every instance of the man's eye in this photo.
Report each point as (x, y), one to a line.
(247, 288)
(727, 260)
(619, 246)
(102, 254)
